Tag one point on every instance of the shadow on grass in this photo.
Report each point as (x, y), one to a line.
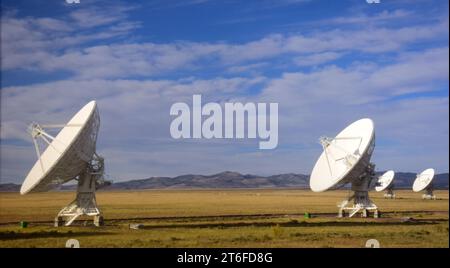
(11, 235)
(289, 224)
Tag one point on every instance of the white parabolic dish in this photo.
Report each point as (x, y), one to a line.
(68, 154)
(423, 180)
(345, 158)
(385, 181)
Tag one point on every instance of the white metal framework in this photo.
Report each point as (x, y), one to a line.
(429, 195)
(389, 194)
(85, 203)
(360, 197)
(77, 161)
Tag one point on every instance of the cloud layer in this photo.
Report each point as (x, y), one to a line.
(323, 79)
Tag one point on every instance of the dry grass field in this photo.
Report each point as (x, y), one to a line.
(226, 218)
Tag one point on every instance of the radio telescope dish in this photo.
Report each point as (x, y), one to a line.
(346, 159)
(424, 182)
(69, 155)
(344, 156)
(386, 182)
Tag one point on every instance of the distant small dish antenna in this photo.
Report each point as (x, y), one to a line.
(386, 182)
(346, 159)
(424, 181)
(71, 155)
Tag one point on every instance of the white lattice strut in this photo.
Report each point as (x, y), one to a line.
(389, 193)
(85, 203)
(429, 195)
(360, 197)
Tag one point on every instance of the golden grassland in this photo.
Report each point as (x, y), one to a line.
(226, 218)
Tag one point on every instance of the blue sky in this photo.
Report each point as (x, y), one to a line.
(327, 63)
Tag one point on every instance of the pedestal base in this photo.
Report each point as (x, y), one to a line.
(365, 212)
(428, 197)
(389, 194)
(98, 221)
(85, 203)
(359, 201)
(59, 221)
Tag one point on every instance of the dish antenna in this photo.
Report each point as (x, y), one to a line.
(346, 159)
(386, 182)
(424, 182)
(71, 155)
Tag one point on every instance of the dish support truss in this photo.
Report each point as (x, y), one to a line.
(359, 200)
(389, 194)
(90, 179)
(360, 197)
(429, 195)
(85, 204)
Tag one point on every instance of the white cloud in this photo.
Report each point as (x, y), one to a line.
(247, 67)
(317, 59)
(15, 162)
(27, 45)
(321, 102)
(135, 117)
(358, 85)
(55, 101)
(94, 17)
(381, 17)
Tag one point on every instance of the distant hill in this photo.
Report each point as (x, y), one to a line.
(221, 180)
(9, 187)
(230, 179)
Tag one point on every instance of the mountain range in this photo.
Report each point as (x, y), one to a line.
(230, 179)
